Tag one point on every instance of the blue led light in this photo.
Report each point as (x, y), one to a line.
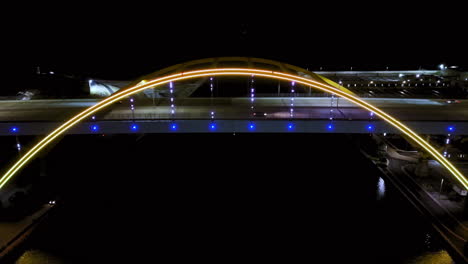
(212, 126)
(14, 129)
(94, 128)
(290, 126)
(173, 126)
(330, 127)
(251, 127)
(370, 127)
(451, 128)
(134, 127)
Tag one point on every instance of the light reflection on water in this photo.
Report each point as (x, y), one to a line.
(380, 189)
(35, 256)
(439, 257)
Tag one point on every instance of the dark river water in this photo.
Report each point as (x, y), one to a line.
(225, 198)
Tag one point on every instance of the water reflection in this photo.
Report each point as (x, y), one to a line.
(39, 257)
(380, 189)
(439, 257)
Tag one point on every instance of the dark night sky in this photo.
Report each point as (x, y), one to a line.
(124, 41)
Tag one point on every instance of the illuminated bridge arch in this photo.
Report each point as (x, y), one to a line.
(231, 66)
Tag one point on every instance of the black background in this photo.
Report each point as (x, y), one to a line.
(126, 40)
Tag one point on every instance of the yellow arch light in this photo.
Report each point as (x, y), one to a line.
(142, 85)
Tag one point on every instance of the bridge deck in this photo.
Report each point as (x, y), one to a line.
(424, 115)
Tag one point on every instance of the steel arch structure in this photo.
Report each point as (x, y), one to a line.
(216, 67)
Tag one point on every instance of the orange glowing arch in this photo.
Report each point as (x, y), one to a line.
(276, 70)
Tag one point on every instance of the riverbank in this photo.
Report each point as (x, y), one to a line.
(14, 233)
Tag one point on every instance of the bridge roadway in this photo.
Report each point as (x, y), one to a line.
(427, 116)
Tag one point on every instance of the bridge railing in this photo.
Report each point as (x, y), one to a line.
(195, 116)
